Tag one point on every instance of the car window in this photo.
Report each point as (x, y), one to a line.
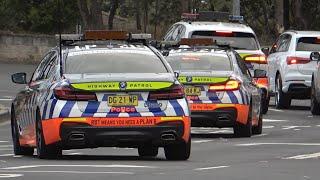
(238, 40)
(169, 33)
(308, 44)
(175, 34)
(284, 43)
(113, 61)
(199, 62)
(243, 67)
(49, 68)
(37, 75)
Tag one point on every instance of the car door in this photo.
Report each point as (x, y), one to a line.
(277, 54)
(252, 89)
(34, 90)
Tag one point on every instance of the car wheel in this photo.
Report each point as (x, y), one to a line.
(178, 151)
(241, 130)
(282, 100)
(315, 104)
(45, 151)
(258, 129)
(17, 148)
(148, 151)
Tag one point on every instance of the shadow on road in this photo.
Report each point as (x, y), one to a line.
(108, 158)
(213, 136)
(299, 108)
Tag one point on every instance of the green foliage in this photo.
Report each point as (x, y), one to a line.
(39, 16)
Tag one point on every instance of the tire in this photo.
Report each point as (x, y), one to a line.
(179, 151)
(17, 148)
(258, 129)
(45, 151)
(241, 130)
(265, 104)
(315, 104)
(282, 100)
(148, 151)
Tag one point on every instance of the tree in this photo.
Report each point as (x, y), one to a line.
(91, 13)
(113, 8)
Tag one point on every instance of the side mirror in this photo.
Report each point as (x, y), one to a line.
(315, 56)
(154, 43)
(258, 73)
(176, 74)
(165, 53)
(19, 78)
(265, 50)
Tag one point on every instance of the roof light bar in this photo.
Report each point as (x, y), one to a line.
(70, 37)
(105, 35)
(141, 36)
(212, 16)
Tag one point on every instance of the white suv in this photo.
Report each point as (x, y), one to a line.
(289, 66)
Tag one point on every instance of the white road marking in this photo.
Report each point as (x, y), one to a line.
(274, 120)
(5, 149)
(293, 127)
(290, 144)
(305, 156)
(77, 165)
(75, 153)
(4, 141)
(4, 146)
(221, 131)
(208, 168)
(201, 141)
(10, 175)
(1, 99)
(318, 125)
(296, 129)
(4, 155)
(267, 127)
(76, 172)
(260, 135)
(277, 110)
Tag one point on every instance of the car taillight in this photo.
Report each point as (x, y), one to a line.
(175, 92)
(297, 60)
(230, 85)
(66, 93)
(256, 58)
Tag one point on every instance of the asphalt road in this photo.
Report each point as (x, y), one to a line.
(288, 149)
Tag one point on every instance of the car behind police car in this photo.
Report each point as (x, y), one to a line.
(219, 88)
(240, 36)
(101, 93)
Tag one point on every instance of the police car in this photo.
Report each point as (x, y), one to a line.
(218, 86)
(238, 35)
(115, 92)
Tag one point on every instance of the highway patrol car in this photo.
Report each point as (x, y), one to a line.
(218, 86)
(116, 92)
(239, 36)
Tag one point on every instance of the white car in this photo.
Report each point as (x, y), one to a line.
(290, 67)
(239, 36)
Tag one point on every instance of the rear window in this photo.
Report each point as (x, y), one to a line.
(308, 44)
(113, 61)
(237, 40)
(199, 62)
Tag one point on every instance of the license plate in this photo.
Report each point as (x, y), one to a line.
(192, 91)
(126, 100)
(116, 122)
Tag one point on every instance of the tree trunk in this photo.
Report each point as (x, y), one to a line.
(184, 6)
(138, 15)
(299, 18)
(91, 19)
(145, 19)
(113, 8)
(279, 16)
(156, 19)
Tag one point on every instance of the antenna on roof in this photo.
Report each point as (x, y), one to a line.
(59, 29)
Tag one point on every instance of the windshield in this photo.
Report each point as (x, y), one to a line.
(308, 44)
(199, 62)
(237, 40)
(113, 61)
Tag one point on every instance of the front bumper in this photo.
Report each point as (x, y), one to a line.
(218, 115)
(93, 132)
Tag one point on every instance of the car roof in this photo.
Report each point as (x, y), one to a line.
(304, 33)
(203, 25)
